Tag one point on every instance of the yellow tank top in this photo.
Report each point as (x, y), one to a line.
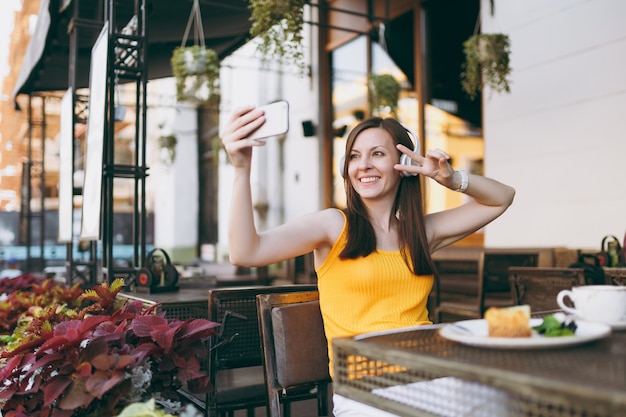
(372, 293)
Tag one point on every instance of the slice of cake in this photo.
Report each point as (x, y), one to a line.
(509, 321)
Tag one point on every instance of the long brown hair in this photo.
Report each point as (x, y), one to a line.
(408, 207)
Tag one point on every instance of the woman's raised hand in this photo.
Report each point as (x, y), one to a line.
(435, 164)
(241, 123)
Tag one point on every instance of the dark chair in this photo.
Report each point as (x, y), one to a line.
(235, 356)
(493, 286)
(301, 269)
(295, 353)
(538, 287)
(615, 276)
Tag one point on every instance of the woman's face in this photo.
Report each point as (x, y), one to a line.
(370, 165)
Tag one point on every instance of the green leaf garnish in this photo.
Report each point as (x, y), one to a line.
(551, 327)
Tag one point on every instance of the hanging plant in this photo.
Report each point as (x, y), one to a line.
(278, 26)
(384, 93)
(486, 63)
(167, 146)
(197, 71)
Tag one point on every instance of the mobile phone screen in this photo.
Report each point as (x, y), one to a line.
(276, 121)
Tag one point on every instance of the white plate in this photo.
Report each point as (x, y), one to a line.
(476, 333)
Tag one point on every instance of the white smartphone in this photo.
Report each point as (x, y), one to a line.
(276, 121)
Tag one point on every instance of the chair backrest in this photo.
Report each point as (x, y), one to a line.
(295, 350)
(493, 270)
(538, 287)
(238, 344)
(615, 276)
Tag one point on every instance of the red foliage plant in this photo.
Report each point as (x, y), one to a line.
(95, 365)
(28, 291)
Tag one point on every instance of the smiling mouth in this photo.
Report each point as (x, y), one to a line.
(369, 179)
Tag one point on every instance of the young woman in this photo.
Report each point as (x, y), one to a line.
(373, 259)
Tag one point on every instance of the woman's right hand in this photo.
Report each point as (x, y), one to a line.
(241, 123)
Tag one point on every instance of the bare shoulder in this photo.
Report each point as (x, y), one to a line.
(330, 221)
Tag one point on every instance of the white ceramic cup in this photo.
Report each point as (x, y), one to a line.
(603, 303)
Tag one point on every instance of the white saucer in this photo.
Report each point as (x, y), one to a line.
(617, 325)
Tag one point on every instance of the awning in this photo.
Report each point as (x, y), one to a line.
(46, 61)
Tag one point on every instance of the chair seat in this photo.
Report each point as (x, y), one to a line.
(239, 388)
(241, 383)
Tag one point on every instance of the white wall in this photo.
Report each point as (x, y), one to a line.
(560, 137)
(175, 190)
(291, 185)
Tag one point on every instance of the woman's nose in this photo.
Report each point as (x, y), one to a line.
(364, 163)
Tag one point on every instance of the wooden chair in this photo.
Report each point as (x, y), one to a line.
(295, 353)
(538, 287)
(235, 356)
(615, 276)
(301, 269)
(493, 285)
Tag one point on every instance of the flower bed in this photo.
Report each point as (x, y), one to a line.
(90, 355)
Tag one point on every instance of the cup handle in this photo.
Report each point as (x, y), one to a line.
(560, 301)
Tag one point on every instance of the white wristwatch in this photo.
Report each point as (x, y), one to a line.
(464, 181)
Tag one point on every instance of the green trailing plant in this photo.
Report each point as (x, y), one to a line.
(384, 93)
(167, 144)
(197, 72)
(278, 26)
(486, 63)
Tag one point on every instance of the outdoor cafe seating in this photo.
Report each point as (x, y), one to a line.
(408, 371)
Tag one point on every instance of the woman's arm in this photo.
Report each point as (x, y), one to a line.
(247, 247)
(490, 199)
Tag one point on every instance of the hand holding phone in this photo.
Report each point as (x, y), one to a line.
(276, 121)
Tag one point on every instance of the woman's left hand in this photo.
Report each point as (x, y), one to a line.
(435, 164)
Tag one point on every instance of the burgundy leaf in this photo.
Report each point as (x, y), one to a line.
(47, 359)
(197, 329)
(60, 413)
(164, 338)
(11, 365)
(125, 361)
(91, 322)
(101, 382)
(142, 326)
(76, 397)
(201, 385)
(7, 392)
(83, 370)
(54, 388)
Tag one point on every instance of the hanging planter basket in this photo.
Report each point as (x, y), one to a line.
(196, 68)
(486, 63)
(384, 94)
(197, 72)
(277, 24)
